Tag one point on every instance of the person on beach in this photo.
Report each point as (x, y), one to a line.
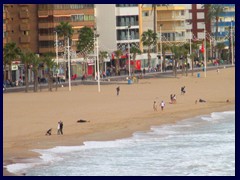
(61, 127)
(201, 100)
(183, 90)
(154, 106)
(171, 99)
(58, 128)
(118, 90)
(162, 105)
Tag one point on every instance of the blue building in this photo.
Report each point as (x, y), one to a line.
(226, 21)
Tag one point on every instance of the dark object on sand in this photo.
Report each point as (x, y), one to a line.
(82, 121)
(201, 100)
(49, 132)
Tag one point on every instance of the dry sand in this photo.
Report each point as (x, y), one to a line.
(27, 116)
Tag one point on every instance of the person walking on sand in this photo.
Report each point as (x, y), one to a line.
(162, 105)
(154, 106)
(61, 127)
(58, 128)
(118, 90)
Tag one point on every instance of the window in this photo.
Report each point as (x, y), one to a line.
(146, 13)
(77, 17)
(25, 33)
(182, 12)
(88, 18)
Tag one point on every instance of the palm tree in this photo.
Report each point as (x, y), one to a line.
(193, 54)
(165, 47)
(102, 55)
(26, 58)
(50, 64)
(185, 50)
(85, 42)
(65, 30)
(214, 12)
(10, 53)
(148, 39)
(35, 67)
(154, 9)
(177, 51)
(134, 50)
(220, 47)
(118, 54)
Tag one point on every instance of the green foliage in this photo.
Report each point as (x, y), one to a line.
(64, 30)
(10, 53)
(148, 38)
(85, 39)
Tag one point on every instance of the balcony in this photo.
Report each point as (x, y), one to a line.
(46, 38)
(24, 14)
(127, 23)
(8, 27)
(24, 27)
(24, 39)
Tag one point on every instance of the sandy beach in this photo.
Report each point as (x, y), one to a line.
(27, 116)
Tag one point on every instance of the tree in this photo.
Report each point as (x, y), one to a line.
(193, 54)
(177, 51)
(165, 47)
(102, 55)
(118, 54)
(213, 13)
(185, 50)
(50, 64)
(154, 9)
(10, 53)
(85, 42)
(134, 50)
(26, 58)
(148, 39)
(35, 67)
(65, 30)
(220, 47)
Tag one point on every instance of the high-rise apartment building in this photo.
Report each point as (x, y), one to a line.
(50, 16)
(21, 25)
(114, 22)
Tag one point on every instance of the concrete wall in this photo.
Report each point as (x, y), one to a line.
(106, 26)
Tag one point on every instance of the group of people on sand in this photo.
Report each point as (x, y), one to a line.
(59, 129)
(155, 105)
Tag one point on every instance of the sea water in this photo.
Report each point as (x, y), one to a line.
(201, 146)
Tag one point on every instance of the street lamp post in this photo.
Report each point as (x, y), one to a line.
(129, 74)
(98, 74)
(205, 57)
(232, 41)
(69, 74)
(190, 42)
(56, 47)
(94, 47)
(161, 45)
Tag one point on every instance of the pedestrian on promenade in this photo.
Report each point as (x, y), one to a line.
(118, 90)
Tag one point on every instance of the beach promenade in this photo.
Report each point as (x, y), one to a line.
(27, 116)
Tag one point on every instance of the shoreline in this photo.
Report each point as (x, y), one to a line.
(126, 114)
(223, 108)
